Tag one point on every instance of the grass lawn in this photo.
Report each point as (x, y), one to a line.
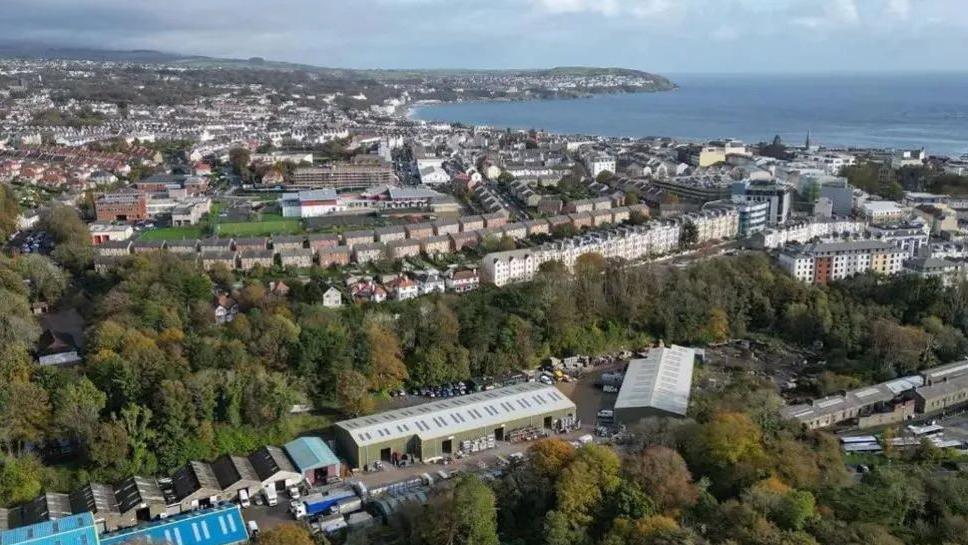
(172, 233)
(269, 225)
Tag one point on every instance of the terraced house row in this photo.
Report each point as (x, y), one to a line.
(626, 242)
(362, 246)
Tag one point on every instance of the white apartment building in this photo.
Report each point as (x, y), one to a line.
(629, 243)
(596, 164)
(503, 268)
(805, 231)
(830, 261)
(714, 224)
(883, 211)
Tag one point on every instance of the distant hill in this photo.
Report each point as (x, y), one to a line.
(42, 51)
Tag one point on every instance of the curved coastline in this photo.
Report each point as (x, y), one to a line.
(838, 112)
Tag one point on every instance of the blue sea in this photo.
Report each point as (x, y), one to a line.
(884, 111)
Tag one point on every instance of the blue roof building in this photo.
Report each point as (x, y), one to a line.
(71, 530)
(222, 525)
(313, 459)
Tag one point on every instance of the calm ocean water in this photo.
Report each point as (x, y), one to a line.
(915, 110)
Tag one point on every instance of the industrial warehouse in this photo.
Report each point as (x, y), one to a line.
(929, 392)
(456, 426)
(657, 385)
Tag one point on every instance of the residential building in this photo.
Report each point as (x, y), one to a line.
(463, 280)
(342, 176)
(883, 211)
(300, 258)
(334, 256)
(825, 262)
(778, 195)
(332, 298)
(365, 253)
(949, 272)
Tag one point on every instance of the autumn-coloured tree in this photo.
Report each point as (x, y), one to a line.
(730, 437)
(353, 392)
(387, 369)
(287, 533)
(550, 456)
(662, 474)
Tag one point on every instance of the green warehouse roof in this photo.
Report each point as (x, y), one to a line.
(309, 453)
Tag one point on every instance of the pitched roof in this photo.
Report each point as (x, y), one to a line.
(443, 418)
(309, 453)
(662, 380)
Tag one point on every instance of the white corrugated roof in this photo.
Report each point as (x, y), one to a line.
(661, 380)
(458, 414)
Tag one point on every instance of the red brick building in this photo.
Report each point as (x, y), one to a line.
(122, 207)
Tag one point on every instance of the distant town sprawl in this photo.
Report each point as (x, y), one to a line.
(202, 262)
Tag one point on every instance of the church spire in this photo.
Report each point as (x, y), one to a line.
(806, 144)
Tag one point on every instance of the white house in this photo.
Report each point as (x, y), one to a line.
(332, 298)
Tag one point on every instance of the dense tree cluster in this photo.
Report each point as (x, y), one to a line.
(162, 383)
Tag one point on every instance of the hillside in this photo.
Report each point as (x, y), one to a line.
(42, 51)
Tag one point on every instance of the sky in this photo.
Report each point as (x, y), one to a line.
(665, 36)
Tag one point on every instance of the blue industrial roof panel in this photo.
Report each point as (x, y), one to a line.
(218, 526)
(72, 530)
(310, 453)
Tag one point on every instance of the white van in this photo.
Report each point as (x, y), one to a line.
(244, 498)
(272, 497)
(253, 527)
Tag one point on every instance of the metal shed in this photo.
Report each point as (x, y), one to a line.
(657, 385)
(313, 459)
(235, 473)
(274, 468)
(140, 498)
(196, 486)
(101, 502)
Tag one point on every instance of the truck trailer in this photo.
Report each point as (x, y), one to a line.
(320, 503)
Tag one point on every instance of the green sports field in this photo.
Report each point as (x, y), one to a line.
(269, 224)
(172, 233)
